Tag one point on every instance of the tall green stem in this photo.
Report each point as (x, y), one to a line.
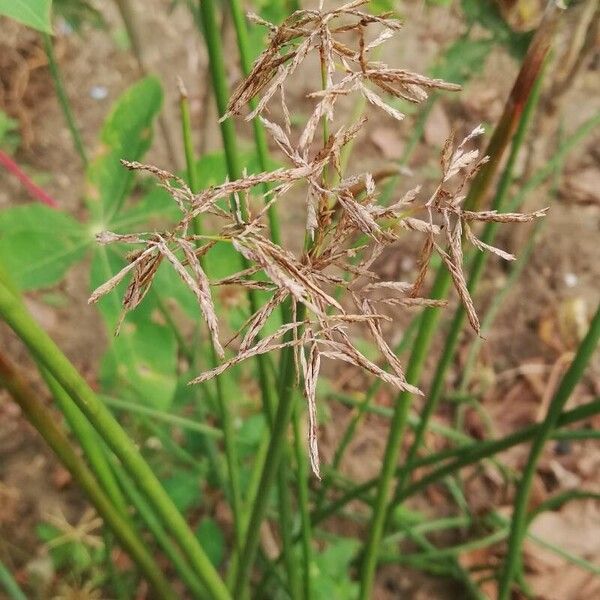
(303, 505)
(49, 355)
(235, 494)
(463, 456)
(10, 585)
(273, 460)
(260, 137)
(158, 531)
(519, 519)
(44, 422)
(456, 326)
(63, 99)
(521, 91)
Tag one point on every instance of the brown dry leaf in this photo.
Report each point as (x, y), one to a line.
(437, 128)
(388, 142)
(583, 186)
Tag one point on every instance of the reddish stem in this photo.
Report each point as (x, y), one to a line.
(34, 190)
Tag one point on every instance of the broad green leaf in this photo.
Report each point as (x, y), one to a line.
(141, 362)
(211, 537)
(126, 134)
(33, 13)
(38, 244)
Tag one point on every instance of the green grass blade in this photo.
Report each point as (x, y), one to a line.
(503, 133)
(44, 422)
(519, 519)
(9, 584)
(49, 355)
(63, 99)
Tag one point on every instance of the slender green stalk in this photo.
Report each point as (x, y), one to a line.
(131, 27)
(456, 326)
(303, 505)
(89, 441)
(503, 133)
(9, 584)
(260, 137)
(276, 447)
(235, 494)
(153, 523)
(63, 99)
(463, 456)
(49, 355)
(286, 518)
(159, 415)
(219, 81)
(519, 519)
(544, 173)
(44, 422)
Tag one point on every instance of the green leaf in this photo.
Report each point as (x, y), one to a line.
(33, 13)
(463, 59)
(184, 489)
(141, 362)
(78, 12)
(127, 134)
(332, 571)
(211, 537)
(487, 14)
(38, 244)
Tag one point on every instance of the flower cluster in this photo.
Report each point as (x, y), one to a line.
(347, 227)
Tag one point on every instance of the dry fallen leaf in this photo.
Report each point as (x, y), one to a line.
(388, 142)
(437, 128)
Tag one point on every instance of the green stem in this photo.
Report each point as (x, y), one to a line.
(89, 441)
(463, 456)
(456, 326)
(260, 137)
(277, 443)
(519, 519)
(44, 422)
(303, 502)
(235, 495)
(49, 355)
(8, 582)
(153, 523)
(521, 91)
(63, 99)
(133, 407)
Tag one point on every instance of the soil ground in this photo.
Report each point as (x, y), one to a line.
(526, 351)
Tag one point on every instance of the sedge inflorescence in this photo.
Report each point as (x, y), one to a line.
(330, 284)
